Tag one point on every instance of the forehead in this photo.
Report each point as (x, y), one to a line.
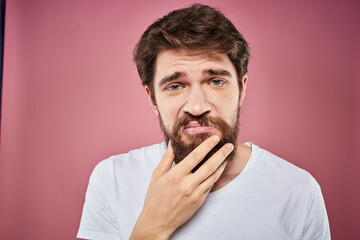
(190, 62)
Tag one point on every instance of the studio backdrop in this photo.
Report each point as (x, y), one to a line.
(71, 97)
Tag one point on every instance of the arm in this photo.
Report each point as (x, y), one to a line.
(98, 220)
(317, 223)
(175, 194)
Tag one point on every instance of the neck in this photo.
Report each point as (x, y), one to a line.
(234, 167)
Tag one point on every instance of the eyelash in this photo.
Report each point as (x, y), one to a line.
(172, 85)
(222, 82)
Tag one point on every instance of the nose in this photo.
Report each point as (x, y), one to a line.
(197, 103)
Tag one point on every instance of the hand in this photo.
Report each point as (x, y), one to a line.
(175, 194)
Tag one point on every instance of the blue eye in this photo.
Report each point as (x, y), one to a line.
(217, 82)
(174, 87)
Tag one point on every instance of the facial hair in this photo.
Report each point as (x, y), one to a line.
(229, 133)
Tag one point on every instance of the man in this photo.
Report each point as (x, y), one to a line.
(201, 183)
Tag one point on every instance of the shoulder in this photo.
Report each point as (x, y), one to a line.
(294, 188)
(143, 158)
(278, 170)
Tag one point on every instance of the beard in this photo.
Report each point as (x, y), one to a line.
(182, 148)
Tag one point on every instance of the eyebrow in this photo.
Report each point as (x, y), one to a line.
(219, 72)
(171, 77)
(177, 75)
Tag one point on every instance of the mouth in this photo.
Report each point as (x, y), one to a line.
(194, 127)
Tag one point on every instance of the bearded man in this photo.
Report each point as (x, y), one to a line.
(201, 183)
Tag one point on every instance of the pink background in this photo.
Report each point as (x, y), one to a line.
(72, 97)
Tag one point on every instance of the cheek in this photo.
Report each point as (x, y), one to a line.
(169, 112)
(226, 105)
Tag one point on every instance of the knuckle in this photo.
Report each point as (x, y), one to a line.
(155, 174)
(186, 190)
(217, 175)
(211, 168)
(173, 179)
(225, 152)
(208, 143)
(194, 198)
(196, 155)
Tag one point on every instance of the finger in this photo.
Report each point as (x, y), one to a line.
(165, 162)
(203, 195)
(212, 164)
(197, 155)
(209, 182)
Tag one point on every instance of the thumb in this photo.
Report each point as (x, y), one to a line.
(165, 162)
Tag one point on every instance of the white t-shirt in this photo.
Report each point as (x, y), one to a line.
(269, 199)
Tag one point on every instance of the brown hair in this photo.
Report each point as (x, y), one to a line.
(198, 27)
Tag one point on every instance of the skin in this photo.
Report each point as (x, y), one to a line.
(195, 83)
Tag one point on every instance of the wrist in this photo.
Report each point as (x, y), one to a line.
(144, 230)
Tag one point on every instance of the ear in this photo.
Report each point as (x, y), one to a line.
(151, 101)
(243, 90)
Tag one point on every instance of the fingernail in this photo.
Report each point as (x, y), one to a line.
(230, 147)
(216, 139)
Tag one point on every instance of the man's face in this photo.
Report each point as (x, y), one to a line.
(196, 95)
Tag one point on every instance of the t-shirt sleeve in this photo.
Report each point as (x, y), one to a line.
(98, 221)
(317, 223)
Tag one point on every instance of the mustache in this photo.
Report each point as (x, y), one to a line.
(203, 120)
(229, 134)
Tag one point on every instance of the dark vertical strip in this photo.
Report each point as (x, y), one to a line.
(2, 33)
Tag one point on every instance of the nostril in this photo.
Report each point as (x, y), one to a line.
(197, 109)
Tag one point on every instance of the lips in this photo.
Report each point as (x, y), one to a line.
(194, 127)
